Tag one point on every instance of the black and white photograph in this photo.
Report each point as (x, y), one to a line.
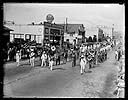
(63, 50)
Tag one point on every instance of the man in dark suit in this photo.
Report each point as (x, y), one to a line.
(73, 59)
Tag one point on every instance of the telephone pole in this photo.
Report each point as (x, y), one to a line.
(112, 30)
(66, 24)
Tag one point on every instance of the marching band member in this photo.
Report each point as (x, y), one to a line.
(73, 59)
(51, 62)
(83, 63)
(17, 58)
(90, 56)
(43, 57)
(32, 57)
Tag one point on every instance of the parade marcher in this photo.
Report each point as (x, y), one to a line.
(65, 57)
(32, 57)
(90, 57)
(18, 58)
(51, 62)
(28, 54)
(20, 54)
(103, 54)
(83, 63)
(57, 56)
(73, 59)
(44, 58)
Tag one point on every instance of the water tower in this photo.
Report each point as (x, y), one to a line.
(49, 18)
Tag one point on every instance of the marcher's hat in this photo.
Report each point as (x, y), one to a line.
(32, 49)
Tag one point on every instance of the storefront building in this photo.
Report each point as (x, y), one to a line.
(53, 34)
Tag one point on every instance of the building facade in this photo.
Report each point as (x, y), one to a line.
(30, 32)
(49, 33)
(74, 32)
(53, 34)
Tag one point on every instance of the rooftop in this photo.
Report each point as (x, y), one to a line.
(73, 27)
(7, 29)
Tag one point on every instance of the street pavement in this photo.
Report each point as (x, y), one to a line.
(64, 81)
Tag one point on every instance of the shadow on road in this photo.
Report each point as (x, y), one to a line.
(59, 69)
(23, 65)
(88, 71)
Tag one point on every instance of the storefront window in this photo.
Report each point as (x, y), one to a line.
(54, 32)
(17, 36)
(27, 36)
(22, 36)
(40, 39)
(46, 31)
(37, 39)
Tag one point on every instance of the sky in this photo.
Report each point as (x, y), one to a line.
(90, 15)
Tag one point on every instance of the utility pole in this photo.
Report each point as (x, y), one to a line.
(66, 24)
(112, 30)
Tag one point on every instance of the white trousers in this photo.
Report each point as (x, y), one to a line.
(18, 62)
(43, 63)
(32, 61)
(51, 64)
(82, 66)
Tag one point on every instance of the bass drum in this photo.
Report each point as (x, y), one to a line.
(53, 48)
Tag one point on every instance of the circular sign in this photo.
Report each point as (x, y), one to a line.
(49, 18)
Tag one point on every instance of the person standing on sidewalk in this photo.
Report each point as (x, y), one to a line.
(119, 54)
(116, 55)
(18, 58)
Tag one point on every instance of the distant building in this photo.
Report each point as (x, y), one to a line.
(74, 32)
(24, 31)
(100, 32)
(53, 34)
(5, 36)
(41, 33)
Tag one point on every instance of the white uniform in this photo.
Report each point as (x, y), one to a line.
(32, 58)
(83, 63)
(17, 58)
(51, 63)
(43, 57)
